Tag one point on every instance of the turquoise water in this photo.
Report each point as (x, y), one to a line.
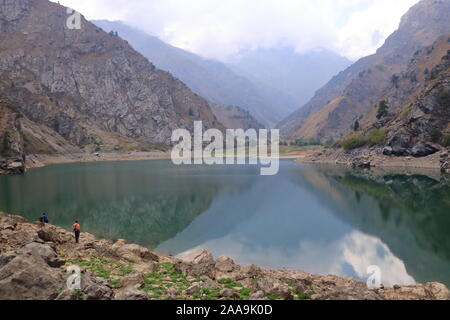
(321, 219)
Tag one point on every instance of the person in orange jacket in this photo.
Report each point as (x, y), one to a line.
(76, 228)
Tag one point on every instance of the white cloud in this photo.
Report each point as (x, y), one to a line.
(221, 29)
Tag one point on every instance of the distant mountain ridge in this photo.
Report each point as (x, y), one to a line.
(298, 75)
(353, 92)
(210, 79)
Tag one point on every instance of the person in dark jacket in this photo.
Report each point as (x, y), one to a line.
(44, 218)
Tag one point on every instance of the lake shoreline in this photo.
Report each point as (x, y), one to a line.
(123, 271)
(373, 159)
(40, 160)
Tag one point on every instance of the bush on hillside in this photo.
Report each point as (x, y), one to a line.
(374, 138)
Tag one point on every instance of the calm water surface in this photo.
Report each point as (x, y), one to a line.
(320, 219)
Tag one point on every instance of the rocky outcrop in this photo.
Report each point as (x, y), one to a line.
(12, 155)
(35, 259)
(445, 162)
(86, 86)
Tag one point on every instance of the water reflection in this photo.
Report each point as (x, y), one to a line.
(319, 219)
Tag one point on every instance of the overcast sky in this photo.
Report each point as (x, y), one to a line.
(222, 29)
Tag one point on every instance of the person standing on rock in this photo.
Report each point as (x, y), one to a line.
(43, 218)
(76, 228)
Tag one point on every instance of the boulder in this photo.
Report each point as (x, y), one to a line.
(388, 151)
(274, 287)
(132, 280)
(445, 162)
(196, 264)
(229, 294)
(131, 293)
(146, 267)
(29, 274)
(133, 252)
(259, 295)
(225, 264)
(68, 295)
(43, 252)
(198, 257)
(95, 288)
(362, 162)
(400, 144)
(195, 287)
(422, 149)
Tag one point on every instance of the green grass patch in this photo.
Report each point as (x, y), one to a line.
(103, 268)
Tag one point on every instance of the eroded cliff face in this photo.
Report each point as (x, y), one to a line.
(420, 123)
(355, 91)
(87, 86)
(12, 156)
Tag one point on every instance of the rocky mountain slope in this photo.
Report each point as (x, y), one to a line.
(352, 93)
(34, 260)
(86, 87)
(233, 117)
(298, 75)
(415, 121)
(211, 79)
(420, 104)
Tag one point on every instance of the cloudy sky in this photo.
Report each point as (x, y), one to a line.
(222, 29)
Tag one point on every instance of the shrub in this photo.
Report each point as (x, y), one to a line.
(383, 109)
(5, 143)
(446, 140)
(375, 137)
(435, 135)
(444, 98)
(353, 142)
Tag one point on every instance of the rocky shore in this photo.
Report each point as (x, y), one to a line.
(364, 158)
(35, 260)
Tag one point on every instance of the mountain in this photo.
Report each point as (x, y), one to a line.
(355, 91)
(233, 117)
(210, 79)
(298, 75)
(85, 87)
(419, 104)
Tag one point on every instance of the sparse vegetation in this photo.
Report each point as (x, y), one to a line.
(5, 150)
(375, 137)
(404, 113)
(435, 135)
(445, 141)
(444, 98)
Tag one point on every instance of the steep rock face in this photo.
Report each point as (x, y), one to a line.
(354, 91)
(12, 157)
(233, 117)
(426, 119)
(85, 84)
